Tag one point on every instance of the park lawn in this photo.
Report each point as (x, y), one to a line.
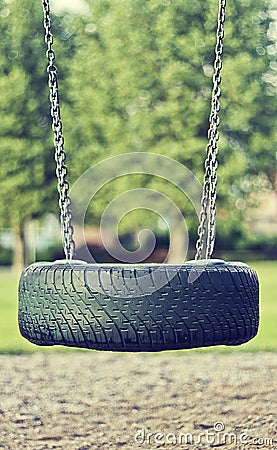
(12, 342)
(267, 335)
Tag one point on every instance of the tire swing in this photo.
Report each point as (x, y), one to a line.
(148, 307)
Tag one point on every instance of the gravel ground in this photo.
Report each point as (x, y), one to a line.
(96, 400)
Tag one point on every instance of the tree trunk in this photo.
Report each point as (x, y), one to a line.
(275, 186)
(177, 253)
(19, 249)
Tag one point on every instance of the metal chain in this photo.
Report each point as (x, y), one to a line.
(208, 208)
(206, 230)
(60, 155)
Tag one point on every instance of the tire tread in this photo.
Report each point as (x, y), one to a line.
(60, 304)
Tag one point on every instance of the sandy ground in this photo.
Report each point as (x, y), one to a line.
(101, 400)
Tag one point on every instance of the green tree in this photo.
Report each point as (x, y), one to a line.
(134, 76)
(141, 81)
(27, 184)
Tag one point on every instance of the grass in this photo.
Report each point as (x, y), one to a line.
(267, 336)
(10, 339)
(12, 342)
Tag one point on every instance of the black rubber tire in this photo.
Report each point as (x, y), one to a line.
(61, 303)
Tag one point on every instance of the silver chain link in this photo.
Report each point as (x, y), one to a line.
(206, 230)
(60, 155)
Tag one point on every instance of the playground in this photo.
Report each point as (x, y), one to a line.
(163, 342)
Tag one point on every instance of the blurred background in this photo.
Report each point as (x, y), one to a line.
(136, 76)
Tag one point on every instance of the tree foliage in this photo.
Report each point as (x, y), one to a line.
(141, 81)
(24, 145)
(135, 76)
(27, 172)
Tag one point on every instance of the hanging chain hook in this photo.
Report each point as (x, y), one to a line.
(60, 155)
(206, 230)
